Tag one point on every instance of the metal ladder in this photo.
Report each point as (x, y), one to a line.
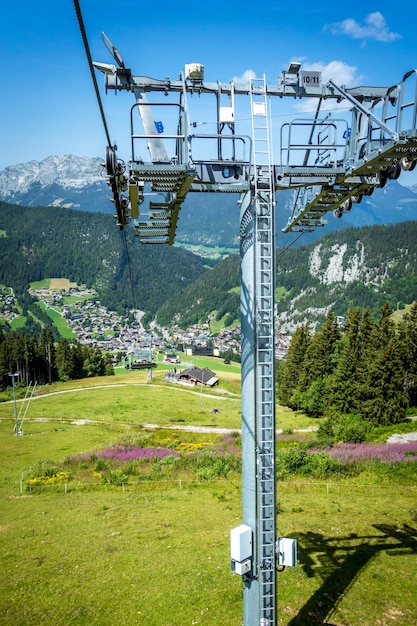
(264, 195)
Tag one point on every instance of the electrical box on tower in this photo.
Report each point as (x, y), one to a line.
(241, 549)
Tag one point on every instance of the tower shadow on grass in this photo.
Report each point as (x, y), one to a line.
(342, 559)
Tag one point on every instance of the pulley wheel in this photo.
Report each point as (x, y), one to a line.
(110, 161)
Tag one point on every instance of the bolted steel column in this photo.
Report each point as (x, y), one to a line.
(258, 406)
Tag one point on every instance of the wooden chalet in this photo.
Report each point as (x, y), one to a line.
(198, 376)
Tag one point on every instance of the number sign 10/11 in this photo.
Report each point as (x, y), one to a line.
(310, 80)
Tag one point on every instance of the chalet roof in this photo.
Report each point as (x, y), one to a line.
(204, 375)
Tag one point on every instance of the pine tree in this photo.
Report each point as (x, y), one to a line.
(408, 352)
(46, 349)
(79, 355)
(369, 346)
(384, 400)
(319, 361)
(293, 365)
(344, 388)
(94, 363)
(64, 360)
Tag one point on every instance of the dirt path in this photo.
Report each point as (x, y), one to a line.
(224, 395)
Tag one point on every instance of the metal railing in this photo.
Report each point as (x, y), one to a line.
(328, 150)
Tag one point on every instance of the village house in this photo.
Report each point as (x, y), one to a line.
(198, 376)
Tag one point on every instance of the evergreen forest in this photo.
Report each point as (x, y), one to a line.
(88, 248)
(378, 265)
(358, 376)
(43, 360)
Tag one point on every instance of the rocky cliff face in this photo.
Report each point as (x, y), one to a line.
(67, 170)
(68, 180)
(355, 267)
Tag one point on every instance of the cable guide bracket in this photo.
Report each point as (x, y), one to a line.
(357, 105)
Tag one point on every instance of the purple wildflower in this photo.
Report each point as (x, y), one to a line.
(127, 453)
(382, 452)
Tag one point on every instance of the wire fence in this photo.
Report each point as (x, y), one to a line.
(319, 487)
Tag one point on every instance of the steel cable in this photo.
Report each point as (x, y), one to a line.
(91, 66)
(103, 117)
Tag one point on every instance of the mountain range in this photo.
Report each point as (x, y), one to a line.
(206, 219)
(363, 265)
(67, 181)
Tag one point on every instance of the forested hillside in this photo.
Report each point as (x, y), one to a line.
(363, 267)
(216, 291)
(89, 249)
(354, 267)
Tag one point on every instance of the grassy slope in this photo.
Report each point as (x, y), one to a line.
(128, 399)
(59, 322)
(161, 556)
(110, 557)
(117, 558)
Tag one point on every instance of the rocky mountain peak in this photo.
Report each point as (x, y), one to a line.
(68, 181)
(68, 171)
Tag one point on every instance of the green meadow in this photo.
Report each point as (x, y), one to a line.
(147, 541)
(59, 322)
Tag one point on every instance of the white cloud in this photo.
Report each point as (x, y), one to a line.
(246, 76)
(341, 73)
(374, 27)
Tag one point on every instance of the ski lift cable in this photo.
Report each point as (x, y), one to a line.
(91, 66)
(129, 268)
(290, 244)
(103, 117)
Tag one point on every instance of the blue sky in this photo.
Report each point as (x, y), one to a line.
(48, 105)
